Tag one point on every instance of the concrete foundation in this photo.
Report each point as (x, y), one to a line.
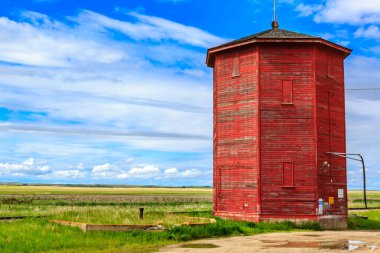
(333, 222)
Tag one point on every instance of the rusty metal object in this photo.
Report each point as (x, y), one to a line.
(275, 25)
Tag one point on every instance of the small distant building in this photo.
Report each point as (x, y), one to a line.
(279, 107)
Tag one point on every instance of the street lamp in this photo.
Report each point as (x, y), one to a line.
(360, 159)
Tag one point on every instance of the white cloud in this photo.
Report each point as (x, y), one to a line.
(102, 168)
(144, 172)
(171, 171)
(40, 20)
(108, 171)
(129, 95)
(68, 174)
(371, 32)
(24, 169)
(343, 11)
(122, 176)
(153, 28)
(175, 173)
(96, 132)
(31, 169)
(307, 10)
(86, 100)
(43, 145)
(80, 166)
(46, 43)
(192, 173)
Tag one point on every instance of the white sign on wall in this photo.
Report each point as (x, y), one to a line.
(340, 194)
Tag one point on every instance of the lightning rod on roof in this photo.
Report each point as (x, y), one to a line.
(274, 23)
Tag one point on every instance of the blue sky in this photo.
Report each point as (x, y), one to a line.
(118, 92)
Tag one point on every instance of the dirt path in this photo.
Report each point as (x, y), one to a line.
(326, 241)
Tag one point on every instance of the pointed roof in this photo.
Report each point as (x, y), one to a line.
(272, 35)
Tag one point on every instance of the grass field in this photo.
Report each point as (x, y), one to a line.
(119, 205)
(131, 191)
(356, 199)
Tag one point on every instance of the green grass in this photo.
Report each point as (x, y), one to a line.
(108, 206)
(121, 206)
(359, 194)
(111, 214)
(359, 223)
(39, 235)
(96, 195)
(356, 199)
(123, 215)
(36, 235)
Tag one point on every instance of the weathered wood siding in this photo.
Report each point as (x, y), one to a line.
(236, 132)
(331, 128)
(287, 130)
(278, 108)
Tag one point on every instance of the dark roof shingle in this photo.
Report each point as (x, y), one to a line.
(272, 34)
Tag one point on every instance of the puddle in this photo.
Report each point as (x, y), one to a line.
(349, 245)
(200, 246)
(146, 250)
(312, 235)
(352, 244)
(339, 245)
(271, 241)
(373, 247)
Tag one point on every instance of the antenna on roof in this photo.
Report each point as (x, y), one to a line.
(274, 23)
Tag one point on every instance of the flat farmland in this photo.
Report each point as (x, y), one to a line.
(97, 205)
(132, 191)
(356, 199)
(142, 194)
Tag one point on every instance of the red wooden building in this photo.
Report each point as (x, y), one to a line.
(278, 109)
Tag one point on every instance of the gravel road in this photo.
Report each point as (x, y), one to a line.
(326, 241)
